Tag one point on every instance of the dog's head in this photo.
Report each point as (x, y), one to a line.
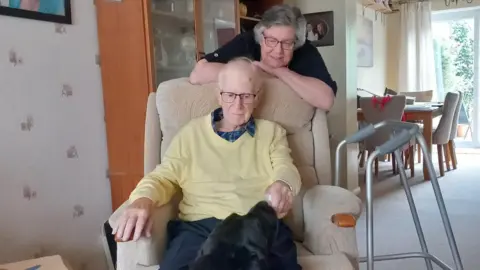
(240, 242)
(227, 257)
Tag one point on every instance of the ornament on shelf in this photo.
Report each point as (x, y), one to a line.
(243, 9)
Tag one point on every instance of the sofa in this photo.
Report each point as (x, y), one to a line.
(323, 241)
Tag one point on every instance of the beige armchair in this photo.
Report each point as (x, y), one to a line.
(323, 243)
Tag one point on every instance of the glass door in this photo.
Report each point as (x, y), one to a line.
(173, 35)
(183, 31)
(455, 59)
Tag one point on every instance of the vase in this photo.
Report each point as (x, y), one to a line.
(243, 9)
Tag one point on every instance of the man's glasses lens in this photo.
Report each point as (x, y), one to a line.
(230, 97)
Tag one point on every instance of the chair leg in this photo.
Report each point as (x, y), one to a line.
(376, 167)
(447, 155)
(407, 154)
(411, 159)
(389, 157)
(394, 165)
(362, 158)
(453, 153)
(419, 154)
(440, 159)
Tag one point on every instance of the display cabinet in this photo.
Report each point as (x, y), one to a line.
(143, 43)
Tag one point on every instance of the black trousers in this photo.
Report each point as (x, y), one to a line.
(186, 238)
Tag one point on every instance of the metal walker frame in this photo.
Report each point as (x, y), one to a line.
(402, 134)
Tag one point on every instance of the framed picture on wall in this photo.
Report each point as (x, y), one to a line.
(364, 42)
(320, 28)
(58, 11)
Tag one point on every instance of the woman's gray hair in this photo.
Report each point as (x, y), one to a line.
(283, 15)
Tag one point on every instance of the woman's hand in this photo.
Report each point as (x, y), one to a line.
(136, 219)
(265, 68)
(280, 197)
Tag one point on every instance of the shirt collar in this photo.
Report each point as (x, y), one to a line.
(249, 127)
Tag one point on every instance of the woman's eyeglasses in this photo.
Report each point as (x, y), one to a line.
(273, 42)
(230, 97)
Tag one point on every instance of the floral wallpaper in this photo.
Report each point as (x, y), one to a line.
(54, 194)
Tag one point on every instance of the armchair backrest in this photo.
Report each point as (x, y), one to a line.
(177, 102)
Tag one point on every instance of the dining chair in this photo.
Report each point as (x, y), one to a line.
(441, 135)
(420, 96)
(452, 154)
(390, 92)
(392, 110)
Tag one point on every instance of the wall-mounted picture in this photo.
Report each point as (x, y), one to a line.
(320, 28)
(58, 11)
(364, 42)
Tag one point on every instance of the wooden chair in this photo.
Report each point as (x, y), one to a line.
(441, 135)
(451, 151)
(390, 92)
(392, 111)
(420, 96)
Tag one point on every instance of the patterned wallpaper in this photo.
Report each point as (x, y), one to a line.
(54, 194)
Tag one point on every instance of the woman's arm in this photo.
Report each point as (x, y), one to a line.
(206, 70)
(308, 76)
(314, 91)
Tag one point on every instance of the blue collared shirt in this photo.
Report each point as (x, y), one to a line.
(232, 136)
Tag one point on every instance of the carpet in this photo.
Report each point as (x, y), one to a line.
(394, 231)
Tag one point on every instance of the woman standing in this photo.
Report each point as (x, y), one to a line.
(279, 47)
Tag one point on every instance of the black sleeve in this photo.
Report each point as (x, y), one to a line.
(310, 63)
(238, 46)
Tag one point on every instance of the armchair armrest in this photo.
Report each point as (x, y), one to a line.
(153, 135)
(330, 214)
(145, 251)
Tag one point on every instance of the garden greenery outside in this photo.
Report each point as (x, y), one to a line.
(454, 49)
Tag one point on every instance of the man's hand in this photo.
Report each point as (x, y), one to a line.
(136, 219)
(280, 197)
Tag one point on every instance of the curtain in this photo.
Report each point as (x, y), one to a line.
(416, 71)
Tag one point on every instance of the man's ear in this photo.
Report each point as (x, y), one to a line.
(219, 96)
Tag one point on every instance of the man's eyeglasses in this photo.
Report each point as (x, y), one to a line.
(230, 97)
(273, 42)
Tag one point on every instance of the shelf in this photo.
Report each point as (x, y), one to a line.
(249, 19)
(378, 7)
(173, 15)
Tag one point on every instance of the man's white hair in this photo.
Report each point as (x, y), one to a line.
(283, 15)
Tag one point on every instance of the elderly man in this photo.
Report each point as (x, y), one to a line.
(279, 47)
(223, 163)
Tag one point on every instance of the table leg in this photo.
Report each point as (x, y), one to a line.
(427, 134)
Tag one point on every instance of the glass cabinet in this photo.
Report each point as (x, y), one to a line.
(183, 31)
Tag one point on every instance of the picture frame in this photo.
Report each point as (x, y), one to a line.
(320, 28)
(57, 11)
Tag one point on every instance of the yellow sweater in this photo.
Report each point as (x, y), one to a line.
(218, 177)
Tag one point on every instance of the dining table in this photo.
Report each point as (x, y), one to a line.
(423, 112)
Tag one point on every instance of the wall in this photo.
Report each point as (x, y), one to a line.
(54, 192)
(393, 47)
(341, 61)
(373, 78)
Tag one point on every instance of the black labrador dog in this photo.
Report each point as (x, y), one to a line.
(240, 242)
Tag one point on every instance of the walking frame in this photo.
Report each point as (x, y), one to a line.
(402, 134)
